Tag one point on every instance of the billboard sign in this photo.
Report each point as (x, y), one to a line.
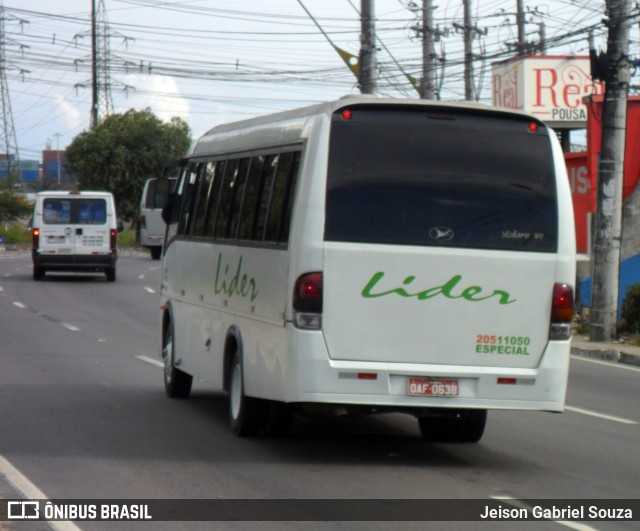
(583, 191)
(551, 88)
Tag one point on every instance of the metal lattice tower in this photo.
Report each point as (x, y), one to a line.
(101, 103)
(8, 140)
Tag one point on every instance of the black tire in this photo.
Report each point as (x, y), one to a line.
(464, 426)
(156, 252)
(38, 273)
(111, 274)
(244, 412)
(177, 383)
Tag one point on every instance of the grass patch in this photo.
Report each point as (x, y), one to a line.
(15, 233)
(127, 238)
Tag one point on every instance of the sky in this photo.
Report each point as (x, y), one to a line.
(215, 61)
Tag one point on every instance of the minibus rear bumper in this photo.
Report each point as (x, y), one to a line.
(385, 385)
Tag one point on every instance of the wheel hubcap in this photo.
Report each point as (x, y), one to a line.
(236, 391)
(167, 354)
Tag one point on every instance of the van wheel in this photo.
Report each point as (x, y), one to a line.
(177, 383)
(463, 426)
(244, 411)
(38, 273)
(156, 252)
(111, 274)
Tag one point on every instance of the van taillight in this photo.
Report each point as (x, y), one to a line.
(561, 312)
(35, 238)
(307, 301)
(143, 222)
(114, 237)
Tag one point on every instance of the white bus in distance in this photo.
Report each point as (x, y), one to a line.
(371, 255)
(151, 225)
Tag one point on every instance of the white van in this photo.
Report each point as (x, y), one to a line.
(370, 255)
(74, 231)
(152, 226)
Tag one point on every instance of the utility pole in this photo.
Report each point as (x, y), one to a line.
(608, 223)
(522, 36)
(543, 38)
(367, 48)
(428, 85)
(94, 66)
(469, 92)
(468, 29)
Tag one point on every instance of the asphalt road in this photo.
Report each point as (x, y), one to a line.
(83, 414)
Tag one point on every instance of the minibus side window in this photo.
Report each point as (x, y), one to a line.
(264, 197)
(226, 198)
(206, 182)
(291, 190)
(214, 195)
(176, 198)
(191, 188)
(238, 197)
(279, 198)
(251, 195)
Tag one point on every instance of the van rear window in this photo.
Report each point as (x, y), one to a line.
(74, 211)
(440, 177)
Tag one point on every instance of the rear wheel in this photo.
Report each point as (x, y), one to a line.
(156, 252)
(244, 411)
(177, 384)
(111, 274)
(462, 426)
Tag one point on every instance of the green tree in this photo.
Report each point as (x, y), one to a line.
(13, 207)
(124, 150)
(11, 182)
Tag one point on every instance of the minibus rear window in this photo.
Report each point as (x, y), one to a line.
(451, 178)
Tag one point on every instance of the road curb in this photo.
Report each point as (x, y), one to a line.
(607, 354)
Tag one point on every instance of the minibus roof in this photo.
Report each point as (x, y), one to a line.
(332, 106)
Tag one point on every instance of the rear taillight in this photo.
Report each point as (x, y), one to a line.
(143, 222)
(114, 238)
(35, 238)
(561, 312)
(307, 301)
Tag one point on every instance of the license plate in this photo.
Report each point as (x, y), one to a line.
(56, 239)
(429, 387)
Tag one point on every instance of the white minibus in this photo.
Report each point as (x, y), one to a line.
(371, 255)
(74, 231)
(152, 226)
